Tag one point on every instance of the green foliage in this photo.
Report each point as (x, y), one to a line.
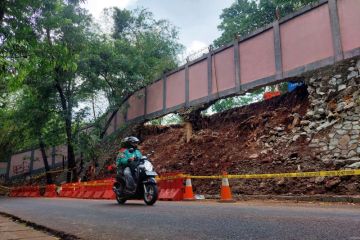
(140, 50)
(51, 62)
(245, 16)
(232, 102)
(169, 119)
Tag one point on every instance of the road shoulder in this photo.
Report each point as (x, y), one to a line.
(9, 229)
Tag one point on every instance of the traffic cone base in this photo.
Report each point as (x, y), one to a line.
(188, 194)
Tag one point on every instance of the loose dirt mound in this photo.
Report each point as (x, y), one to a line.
(249, 139)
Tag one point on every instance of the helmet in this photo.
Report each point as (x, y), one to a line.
(130, 141)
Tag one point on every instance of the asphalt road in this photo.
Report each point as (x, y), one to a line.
(104, 219)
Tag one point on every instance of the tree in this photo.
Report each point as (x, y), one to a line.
(55, 36)
(138, 52)
(16, 37)
(34, 112)
(65, 38)
(51, 61)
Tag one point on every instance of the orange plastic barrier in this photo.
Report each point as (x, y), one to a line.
(108, 189)
(75, 190)
(80, 191)
(171, 189)
(268, 95)
(67, 189)
(99, 190)
(50, 191)
(25, 191)
(21, 192)
(34, 191)
(15, 192)
(89, 189)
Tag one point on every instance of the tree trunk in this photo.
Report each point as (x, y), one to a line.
(72, 173)
(93, 106)
(46, 163)
(2, 10)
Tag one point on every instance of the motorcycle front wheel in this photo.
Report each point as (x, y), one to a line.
(120, 189)
(151, 194)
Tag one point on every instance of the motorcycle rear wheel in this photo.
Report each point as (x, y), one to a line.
(152, 194)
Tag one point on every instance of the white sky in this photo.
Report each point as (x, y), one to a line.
(197, 20)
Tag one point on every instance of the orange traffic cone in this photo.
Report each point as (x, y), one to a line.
(225, 191)
(188, 195)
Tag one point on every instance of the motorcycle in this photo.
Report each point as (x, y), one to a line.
(144, 177)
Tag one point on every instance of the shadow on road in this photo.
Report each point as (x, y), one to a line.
(126, 205)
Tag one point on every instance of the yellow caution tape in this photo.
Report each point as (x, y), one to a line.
(337, 173)
(51, 172)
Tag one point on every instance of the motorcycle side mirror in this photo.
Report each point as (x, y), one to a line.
(131, 150)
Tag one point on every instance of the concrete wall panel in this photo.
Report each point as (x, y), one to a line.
(38, 160)
(120, 118)
(257, 57)
(3, 169)
(20, 163)
(175, 89)
(155, 97)
(3, 166)
(198, 80)
(111, 127)
(349, 16)
(136, 105)
(60, 152)
(223, 70)
(306, 38)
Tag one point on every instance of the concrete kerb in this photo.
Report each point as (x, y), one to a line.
(41, 228)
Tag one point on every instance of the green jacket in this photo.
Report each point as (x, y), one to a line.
(124, 156)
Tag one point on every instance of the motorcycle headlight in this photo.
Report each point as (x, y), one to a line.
(148, 166)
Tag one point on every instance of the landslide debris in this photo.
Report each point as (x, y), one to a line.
(258, 138)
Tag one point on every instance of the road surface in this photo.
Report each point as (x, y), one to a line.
(104, 219)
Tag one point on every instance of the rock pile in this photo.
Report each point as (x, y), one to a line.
(332, 122)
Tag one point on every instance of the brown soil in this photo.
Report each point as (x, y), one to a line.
(232, 141)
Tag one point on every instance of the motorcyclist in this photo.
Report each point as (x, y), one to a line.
(126, 155)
